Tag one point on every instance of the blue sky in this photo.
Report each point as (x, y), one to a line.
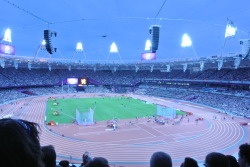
(125, 22)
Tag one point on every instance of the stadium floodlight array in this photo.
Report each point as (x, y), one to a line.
(6, 47)
(148, 45)
(113, 48)
(230, 29)
(43, 43)
(114, 52)
(42, 46)
(79, 47)
(7, 35)
(186, 41)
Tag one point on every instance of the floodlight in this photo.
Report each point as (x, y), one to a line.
(43, 43)
(113, 48)
(186, 41)
(230, 30)
(7, 35)
(79, 47)
(148, 45)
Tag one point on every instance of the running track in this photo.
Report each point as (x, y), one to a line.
(187, 139)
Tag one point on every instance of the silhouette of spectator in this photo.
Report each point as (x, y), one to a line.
(190, 162)
(49, 156)
(64, 163)
(244, 155)
(232, 161)
(98, 162)
(19, 143)
(86, 158)
(160, 159)
(215, 159)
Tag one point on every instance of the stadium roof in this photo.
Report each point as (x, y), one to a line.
(98, 23)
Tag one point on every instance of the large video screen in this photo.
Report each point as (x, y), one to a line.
(72, 81)
(7, 49)
(148, 56)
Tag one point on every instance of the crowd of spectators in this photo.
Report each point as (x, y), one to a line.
(9, 95)
(96, 89)
(229, 100)
(11, 77)
(237, 104)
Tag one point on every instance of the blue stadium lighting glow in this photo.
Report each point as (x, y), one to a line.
(7, 35)
(113, 48)
(186, 41)
(148, 45)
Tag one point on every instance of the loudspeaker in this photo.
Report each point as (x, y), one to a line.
(155, 31)
(48, 42)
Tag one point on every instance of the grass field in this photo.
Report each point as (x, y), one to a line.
(105, 108)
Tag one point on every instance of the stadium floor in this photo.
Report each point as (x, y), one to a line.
(134, 141)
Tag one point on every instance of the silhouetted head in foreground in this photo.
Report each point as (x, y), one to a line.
(49, 156)
(190, 162)
(215, 159)
(98, 162)
(160, 159)
(232, 161)
(244, 155)
(19, 143)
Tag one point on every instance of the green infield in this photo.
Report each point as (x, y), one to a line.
(105, 108)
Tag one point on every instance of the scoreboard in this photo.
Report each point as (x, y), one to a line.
(78, 81)
(72, 81)
(83, 81)
(7, 49)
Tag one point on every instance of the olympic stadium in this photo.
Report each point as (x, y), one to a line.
(193, 58)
